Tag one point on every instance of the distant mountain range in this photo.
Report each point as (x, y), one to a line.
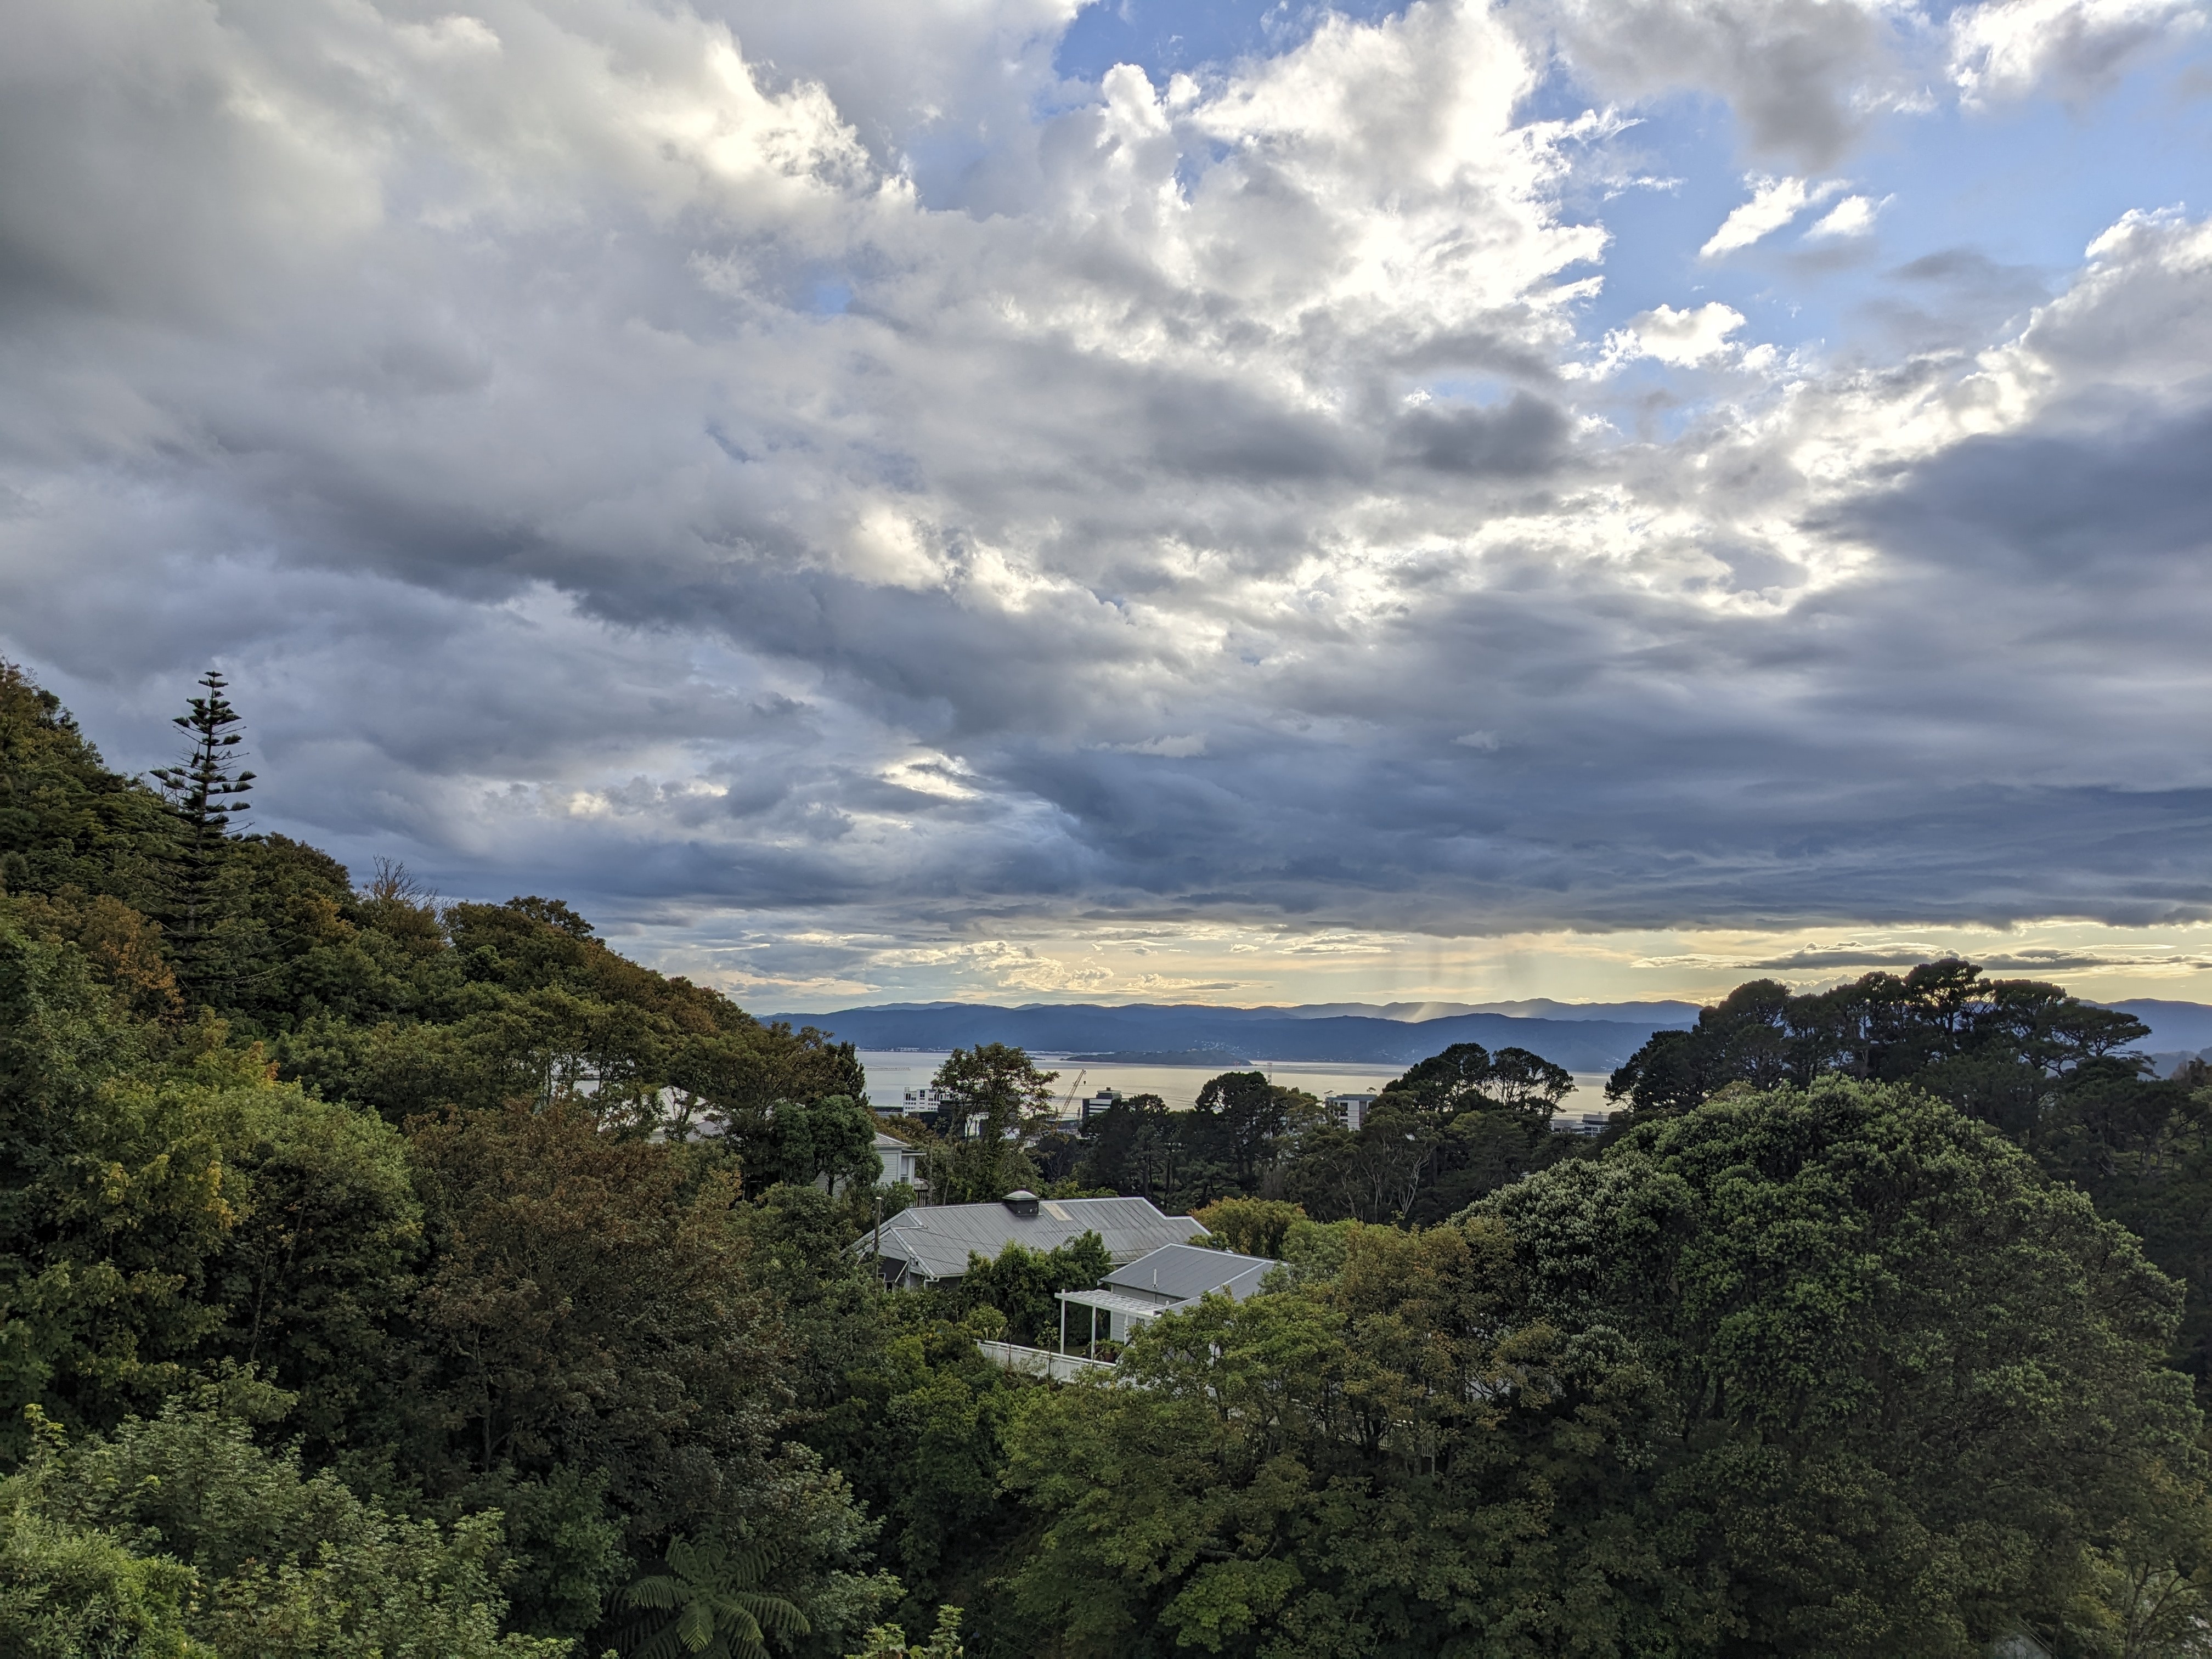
(1583, 1037)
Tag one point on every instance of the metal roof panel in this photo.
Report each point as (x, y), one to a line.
(936, 1240)
(1187, 1272)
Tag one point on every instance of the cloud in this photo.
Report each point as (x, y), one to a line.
(1774, 203)
(1181, 748)
(1181, 472)
(1845, 957)
(1678, 337)
(1802, 76)
(1852, 217)
(2005, 49)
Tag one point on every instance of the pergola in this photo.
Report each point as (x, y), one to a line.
(1142, 1310)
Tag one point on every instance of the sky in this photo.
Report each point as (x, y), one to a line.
(1010, 500)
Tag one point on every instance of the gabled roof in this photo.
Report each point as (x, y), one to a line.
(936, 1241)
(1184, 1273)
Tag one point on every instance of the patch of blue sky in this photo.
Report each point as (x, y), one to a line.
(1997, 204)
(830, 296)
(2013, 196)
(1165, 37)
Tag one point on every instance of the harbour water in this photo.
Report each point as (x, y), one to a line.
(893, 1072)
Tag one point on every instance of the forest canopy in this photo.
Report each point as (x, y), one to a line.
(390, 1276)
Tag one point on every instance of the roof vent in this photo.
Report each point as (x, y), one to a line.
(1022, 1202)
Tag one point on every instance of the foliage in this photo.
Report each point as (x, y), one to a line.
(995, 1102)
(1903, 1379)
(1460, 1124)
(921, 1434)
(1381, 1463)
(66, 822)
(1991, 1047)
(115, 1202)
(1022, 1283)
(587, 1305)
(889, 1641)
(206, 791)
(2045, 1068)
(712, 1588)
(1249, 1227)
(797, 1143)
(75, 1593)
(289, 1565)
(1834, 1373)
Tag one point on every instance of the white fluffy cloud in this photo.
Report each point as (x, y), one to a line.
(820, 466)
(1774, 203)
(2006, 49)
(1852, 217)
(1680, 338)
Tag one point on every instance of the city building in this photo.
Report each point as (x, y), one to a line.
(1349, 1110)
(1089, 1106)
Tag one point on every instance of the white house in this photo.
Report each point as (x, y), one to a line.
(1157, 1283)
(901, 1161)
(931, 1246)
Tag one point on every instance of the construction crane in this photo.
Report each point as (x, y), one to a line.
(1067, 1106)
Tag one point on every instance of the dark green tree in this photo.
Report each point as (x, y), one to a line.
(1241, 1117)
(1905, 1386)
(205, 790)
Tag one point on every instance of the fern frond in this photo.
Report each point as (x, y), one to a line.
(658, 1591)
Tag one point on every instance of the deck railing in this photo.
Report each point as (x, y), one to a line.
(1041, 1362)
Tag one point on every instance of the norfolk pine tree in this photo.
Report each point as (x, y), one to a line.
(201, 787)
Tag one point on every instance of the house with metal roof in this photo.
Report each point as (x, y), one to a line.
(1168, 1278)
(931, 1246)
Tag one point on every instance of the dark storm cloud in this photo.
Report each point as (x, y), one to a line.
(1526, 437)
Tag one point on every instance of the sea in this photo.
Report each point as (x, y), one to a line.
(892, 1072)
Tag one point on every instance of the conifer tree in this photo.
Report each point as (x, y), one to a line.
(202, 788)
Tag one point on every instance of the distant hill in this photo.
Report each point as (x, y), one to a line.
(2173, 1025)
(1282, 1035)
(1629, 1013)
(1583, 1037)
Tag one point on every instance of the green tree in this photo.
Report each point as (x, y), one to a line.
(205, 790)
(799, 1142)
(1250, 1226)
(1905, 1384)
(1836, 1372)
(1243, 1116)
(66, 821)
(1377, 1462)
(77, 1593)
(316, 1276)
(1022, 1283)
(290, 1564)
(112, 1166)
(713, 1589)
(889, 1641)
(995, 1100)
(586, 1304)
